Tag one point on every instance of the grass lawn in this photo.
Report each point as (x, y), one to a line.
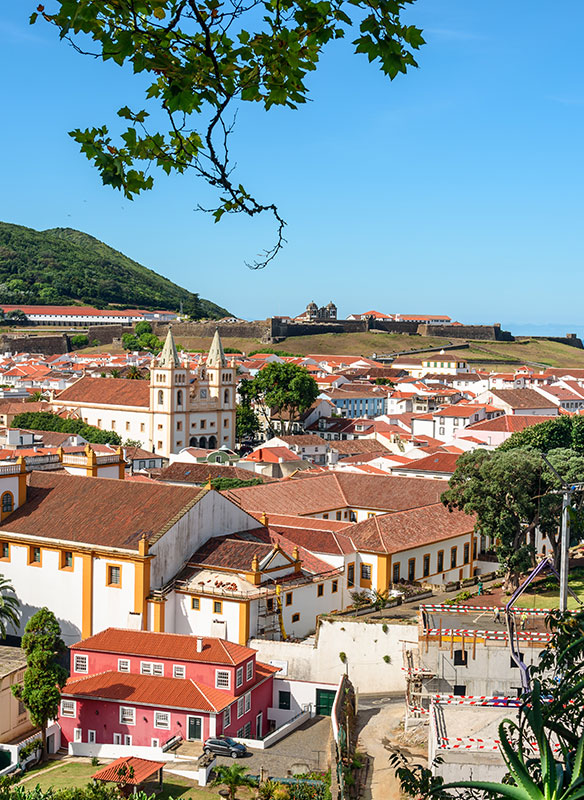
(76, 775)
(550, 598)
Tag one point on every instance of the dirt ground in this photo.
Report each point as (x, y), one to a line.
(382, 734)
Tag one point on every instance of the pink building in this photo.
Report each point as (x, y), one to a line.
(144, 689)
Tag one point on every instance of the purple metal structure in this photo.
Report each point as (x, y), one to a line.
(545, 563)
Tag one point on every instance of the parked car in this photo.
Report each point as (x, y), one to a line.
(225, 747)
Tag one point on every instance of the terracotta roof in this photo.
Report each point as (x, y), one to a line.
(522, 398)
(392, 533)
(439, 462)
(230, 552)
(271, 455)
(337, 490)
(302, 440)
(198, 474)
(459, 410)
(282, 522)
(352, 447)
(106, 392)
(98, 511)
(166, 645)
(149, 690)
(509, 423)
(141, 770)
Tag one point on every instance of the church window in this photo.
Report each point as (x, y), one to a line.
(179, 397)
(159, 446)
(127, 426)
(225, 423)
(114, 575)
(160, 397)
(203, 394)
(7, 502)
(226, 396)
(203, 423)
(179, 425)
(142, 427)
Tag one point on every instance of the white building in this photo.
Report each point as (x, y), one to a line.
(170, 412)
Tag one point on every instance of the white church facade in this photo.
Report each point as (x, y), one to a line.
(176, 409)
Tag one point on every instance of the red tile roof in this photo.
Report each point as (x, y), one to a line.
(438, 462)
(508, 423)
(192, 473)
(149, 690)
(271, 455)
(522, 398)
(98, 511)
(166, 645)
(392, 533)
(141, 770)
(106, 392)
(335, 490)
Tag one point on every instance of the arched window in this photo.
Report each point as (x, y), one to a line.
(160, 397)
(193, 442)
(179, 397)
(203, 442)
(212, 443)
(226, 397)
(7, 502)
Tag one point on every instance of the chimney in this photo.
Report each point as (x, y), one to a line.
(199, 644)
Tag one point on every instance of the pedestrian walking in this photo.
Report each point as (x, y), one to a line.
(523, 620)
(480, 587)
(496, 614)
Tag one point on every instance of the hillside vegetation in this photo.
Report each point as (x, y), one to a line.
(64, 266)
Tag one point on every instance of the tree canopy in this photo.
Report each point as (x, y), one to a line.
(562, 431)
(284, 389)
(44, 675)
(200, 59)
(47, 421)
(511, 492)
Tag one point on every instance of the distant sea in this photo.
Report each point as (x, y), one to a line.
(543, 329)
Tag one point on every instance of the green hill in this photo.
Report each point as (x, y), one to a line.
(64, 266)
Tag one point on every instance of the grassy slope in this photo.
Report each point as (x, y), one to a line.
(76, 775)
(543, 352)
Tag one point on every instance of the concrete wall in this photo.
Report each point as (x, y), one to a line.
(364, 643)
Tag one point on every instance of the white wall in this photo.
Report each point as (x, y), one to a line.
(46, 585)
(302, 694)
(365, 645)
(201, 622)
(213, 515)
(111, 605)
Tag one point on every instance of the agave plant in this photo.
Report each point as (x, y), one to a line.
(533, 777)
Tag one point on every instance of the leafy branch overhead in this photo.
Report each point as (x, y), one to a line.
(202, 58)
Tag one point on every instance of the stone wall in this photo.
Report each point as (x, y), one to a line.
(47, 345)
(240, 330)
(106, 334)
(487, 332)
(280, 329)
(410, 328)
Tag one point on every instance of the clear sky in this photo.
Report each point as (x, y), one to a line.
(457, 189)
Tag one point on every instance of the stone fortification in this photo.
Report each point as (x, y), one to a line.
(47, 345)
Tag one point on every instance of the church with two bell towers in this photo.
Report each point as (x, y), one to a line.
(177, 409)
(192, 409)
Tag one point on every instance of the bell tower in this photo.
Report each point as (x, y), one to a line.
(169, 401)
(221, 375)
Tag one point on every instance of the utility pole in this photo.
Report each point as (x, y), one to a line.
(567, 491)
(565, 551)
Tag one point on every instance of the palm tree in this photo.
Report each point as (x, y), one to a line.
(232, 777)
(134, 374)
(114, 372)
(9, 607)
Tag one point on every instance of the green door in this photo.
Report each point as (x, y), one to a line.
(324, 701)
(195, 728)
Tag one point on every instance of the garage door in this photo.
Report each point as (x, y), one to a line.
(324, 701)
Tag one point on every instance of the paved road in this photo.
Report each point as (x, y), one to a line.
(304, 750)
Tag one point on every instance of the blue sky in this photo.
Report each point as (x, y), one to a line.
(457, 189)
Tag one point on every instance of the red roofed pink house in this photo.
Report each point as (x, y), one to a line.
(144, 690)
